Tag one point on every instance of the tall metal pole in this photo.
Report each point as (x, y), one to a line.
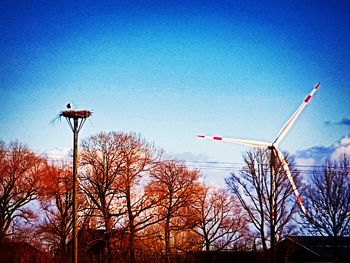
(75, 192)
(75, 115)
(272, 204)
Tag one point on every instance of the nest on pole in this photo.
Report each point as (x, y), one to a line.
(76, 114)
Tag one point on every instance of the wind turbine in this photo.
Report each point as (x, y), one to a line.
(273, 146)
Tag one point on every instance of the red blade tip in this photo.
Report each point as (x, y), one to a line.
(308, 98)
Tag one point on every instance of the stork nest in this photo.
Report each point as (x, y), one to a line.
(76, 114)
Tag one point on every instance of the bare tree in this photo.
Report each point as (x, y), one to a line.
(20, 174)
(102, 162)
(328, 201)
(252, 188)
(139, 158)
(175, 187)
(221, 219)
(115, 164)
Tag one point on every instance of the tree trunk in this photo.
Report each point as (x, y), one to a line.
(263, 239)
(167, 240)
(132, 248)
(207, 244)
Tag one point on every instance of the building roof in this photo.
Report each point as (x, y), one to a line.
(318, 247)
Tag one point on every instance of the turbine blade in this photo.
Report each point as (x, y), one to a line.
(252, 143)
(291, 180)
(295, 116)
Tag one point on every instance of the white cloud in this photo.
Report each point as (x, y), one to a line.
(188, 156)
(305, 161)
(58, 154)
(345, 140)
(318, 154)
(342, 149)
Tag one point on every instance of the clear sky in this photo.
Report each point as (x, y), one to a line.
(172, 69)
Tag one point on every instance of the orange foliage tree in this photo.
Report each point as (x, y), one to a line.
(20, 178)
(175, 187)
(102, 163)
(114, 165)
(139, 160)
(56, 200)
(222, 221)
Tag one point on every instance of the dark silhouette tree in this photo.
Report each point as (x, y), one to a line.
(252, 188)
(328, 201)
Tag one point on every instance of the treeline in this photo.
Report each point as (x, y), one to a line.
(136, 206)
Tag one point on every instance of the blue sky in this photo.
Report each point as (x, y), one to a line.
(172, 69)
